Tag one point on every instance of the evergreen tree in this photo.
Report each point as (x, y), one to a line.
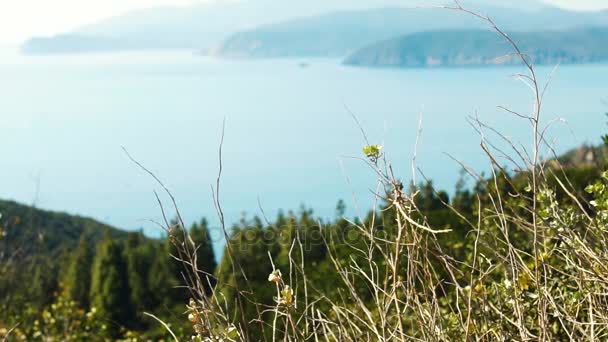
(205, 256)
(140, 256)
(110, 292)
(340, 209)
(44, 283)
(78, 279)
(162, 280)
(250, 247)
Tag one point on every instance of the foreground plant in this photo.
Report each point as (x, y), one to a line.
(522, 257)
(62, 320)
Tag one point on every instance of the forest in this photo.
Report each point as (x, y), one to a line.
(87, 281)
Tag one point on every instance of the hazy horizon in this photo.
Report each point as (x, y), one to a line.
(50, 18)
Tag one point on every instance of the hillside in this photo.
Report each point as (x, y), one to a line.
(35, 249)
(77, 43)
(28, 231)
(332, 34)
(193, 27)
(586, 155)
(282, 28)
(337, 34)
(479, 48)
(49, 257)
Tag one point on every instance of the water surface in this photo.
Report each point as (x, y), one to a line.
(288, 136)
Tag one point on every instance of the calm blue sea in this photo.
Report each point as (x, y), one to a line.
(289, 137)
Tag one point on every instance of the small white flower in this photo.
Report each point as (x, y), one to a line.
(192, 318)
(275, 276)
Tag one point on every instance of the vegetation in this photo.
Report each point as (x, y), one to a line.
(341, 33)
(298, 267)
(520, 254)
(293, 29)
(65, 277)
(480, 48)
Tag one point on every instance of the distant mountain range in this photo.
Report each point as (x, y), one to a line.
(338, 34)
(482, 47)
(193, 27)
(290, 28)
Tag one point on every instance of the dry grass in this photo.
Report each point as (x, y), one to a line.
(553, 287)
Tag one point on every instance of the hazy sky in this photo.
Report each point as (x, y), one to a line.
(20, 19)
(580, 4)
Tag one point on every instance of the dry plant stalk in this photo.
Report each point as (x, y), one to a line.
(554, 287)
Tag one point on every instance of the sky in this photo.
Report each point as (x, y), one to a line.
(21, 19)
(580, 4)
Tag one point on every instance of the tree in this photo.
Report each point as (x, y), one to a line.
(246, 280)
(43, 283)
(140, 256)
(110, 292)
(78, 279)
(162, 281)
(205, 257)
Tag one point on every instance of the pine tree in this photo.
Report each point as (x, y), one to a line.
(140, 255)
(78, 279)
(250, 247)
(110, 292)
(162, 280)
(43, 283)
(205, 256)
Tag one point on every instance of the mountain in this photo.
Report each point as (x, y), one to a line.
(55, 265)
(202, 25)
(339, 33)
(35, 255)
(483, 47)
(26, 231)
(585, 156)
(77, 43)
(191, 27)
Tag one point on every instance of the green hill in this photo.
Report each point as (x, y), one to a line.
(50, 257)
(29, 231)
(269, 28)
(193, 27)
(479, 48)
(339, 33)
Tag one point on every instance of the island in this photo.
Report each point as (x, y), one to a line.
(460, 48)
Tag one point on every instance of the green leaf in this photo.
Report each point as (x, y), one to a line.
(372, 151)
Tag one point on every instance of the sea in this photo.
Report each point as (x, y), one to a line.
(293, 131)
